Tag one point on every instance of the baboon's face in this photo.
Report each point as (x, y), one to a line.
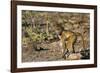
(58, 30)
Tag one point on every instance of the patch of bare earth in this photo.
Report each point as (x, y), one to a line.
(51, 52)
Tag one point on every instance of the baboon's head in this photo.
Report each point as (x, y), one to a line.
(59, 29)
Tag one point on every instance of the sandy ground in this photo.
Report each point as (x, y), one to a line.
(52, 52)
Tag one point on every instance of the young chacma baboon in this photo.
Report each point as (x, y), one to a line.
(68, 39)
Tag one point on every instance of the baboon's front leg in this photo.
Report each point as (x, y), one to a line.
(70, 44)
(69, 47)
(65, 52)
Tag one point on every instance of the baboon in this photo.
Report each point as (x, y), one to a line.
(68, 39)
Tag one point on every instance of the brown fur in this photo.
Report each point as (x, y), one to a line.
(68, 39)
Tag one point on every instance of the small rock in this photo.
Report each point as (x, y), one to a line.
(73, 57)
